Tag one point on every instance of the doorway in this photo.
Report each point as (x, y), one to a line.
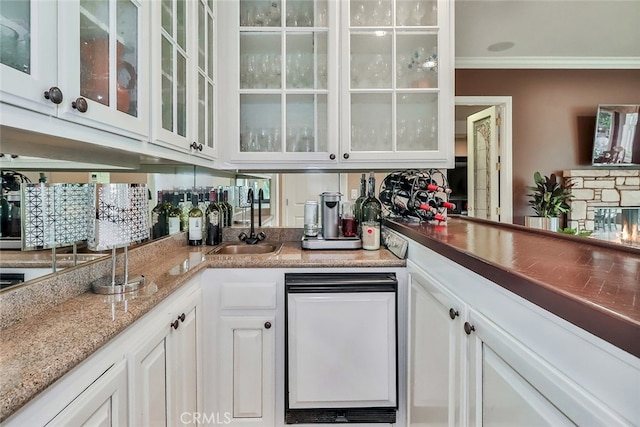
(465, 107)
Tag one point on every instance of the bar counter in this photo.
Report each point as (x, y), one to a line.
(592, 284)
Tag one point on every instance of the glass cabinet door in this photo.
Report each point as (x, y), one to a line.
(284, 76)
(109, 54)
(206, 75)
(174, 66)
(28, 62)
(393, 94)
(15, 35)
(103, 69)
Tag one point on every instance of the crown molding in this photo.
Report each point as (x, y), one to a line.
(549, 62)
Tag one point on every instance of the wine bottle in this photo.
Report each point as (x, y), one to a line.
(194, 234)
(203, 207)
(158, 218)
(401, 203)
(223, 209)
(185, 208)
(173, 216)
(357, 209)
(371, 218)
(212, 220)
(229, 207)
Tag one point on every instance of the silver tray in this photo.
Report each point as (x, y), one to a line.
(320, 243)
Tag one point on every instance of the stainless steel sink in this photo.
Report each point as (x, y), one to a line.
(245, 249)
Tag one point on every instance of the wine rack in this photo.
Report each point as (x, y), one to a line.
(418, 194)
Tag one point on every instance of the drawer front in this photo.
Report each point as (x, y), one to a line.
(248, 295)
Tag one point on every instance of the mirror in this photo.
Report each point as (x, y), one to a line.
(617, 139)
(167, 177)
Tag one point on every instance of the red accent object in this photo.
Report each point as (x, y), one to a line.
(349, 227)
(449, 205)
(439, 217)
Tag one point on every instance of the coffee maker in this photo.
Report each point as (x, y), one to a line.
(330, 214)
(330, 237)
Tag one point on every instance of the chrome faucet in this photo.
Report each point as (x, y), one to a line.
(252, 238)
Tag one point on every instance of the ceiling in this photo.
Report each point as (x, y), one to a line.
(547, 33)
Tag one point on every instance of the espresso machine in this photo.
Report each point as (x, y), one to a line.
(330, 236)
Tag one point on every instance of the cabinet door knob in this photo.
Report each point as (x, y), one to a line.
(182, 317)
(54, 94)
(453, 313)
(332, 156)
(80, 104)
(175, 324)
(345, 156)
(468, 328)
(267, 325)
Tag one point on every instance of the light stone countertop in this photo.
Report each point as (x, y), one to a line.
(47, 332)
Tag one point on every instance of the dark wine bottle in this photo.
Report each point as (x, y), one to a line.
(223, 209)
(194, 234)
(229, 207)
(212, 220)
(371, 218)
(158, 218)
(358, 203)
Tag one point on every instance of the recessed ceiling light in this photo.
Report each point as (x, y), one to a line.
(500, 46)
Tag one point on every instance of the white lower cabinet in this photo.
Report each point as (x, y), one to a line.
(499, 391)
(103, 403)
(247, 364)
(435, 339)
(146, 376)
(482, 356)
(241, 382)
(164, 368)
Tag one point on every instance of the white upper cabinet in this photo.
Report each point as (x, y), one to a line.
(183, 78)
(88, 67)
(342, 84)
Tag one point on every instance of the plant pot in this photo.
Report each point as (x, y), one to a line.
(543, 223)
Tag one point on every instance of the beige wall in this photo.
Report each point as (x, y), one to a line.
(553, 116)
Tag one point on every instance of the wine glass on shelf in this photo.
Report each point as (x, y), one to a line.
(402, 12)
(419, 11)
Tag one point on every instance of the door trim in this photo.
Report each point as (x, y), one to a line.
(506, 152)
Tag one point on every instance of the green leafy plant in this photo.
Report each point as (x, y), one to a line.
(550, 195)
(581, 233)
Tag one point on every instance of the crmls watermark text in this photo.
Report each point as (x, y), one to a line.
(202, 418)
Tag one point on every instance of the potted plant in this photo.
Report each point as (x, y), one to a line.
(549, 199)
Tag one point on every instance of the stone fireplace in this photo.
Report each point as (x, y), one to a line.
(607, 202)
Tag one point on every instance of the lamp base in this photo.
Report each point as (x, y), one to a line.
(104, 285)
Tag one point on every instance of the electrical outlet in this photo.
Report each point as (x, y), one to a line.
(354, 193)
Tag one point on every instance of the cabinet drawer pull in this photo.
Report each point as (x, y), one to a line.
(182, 317)
(468, 328)
(54, 94)
(267, 325)
(453, 313)
(345, 155)
(332, 156)
(175, 324)
(80, 104)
